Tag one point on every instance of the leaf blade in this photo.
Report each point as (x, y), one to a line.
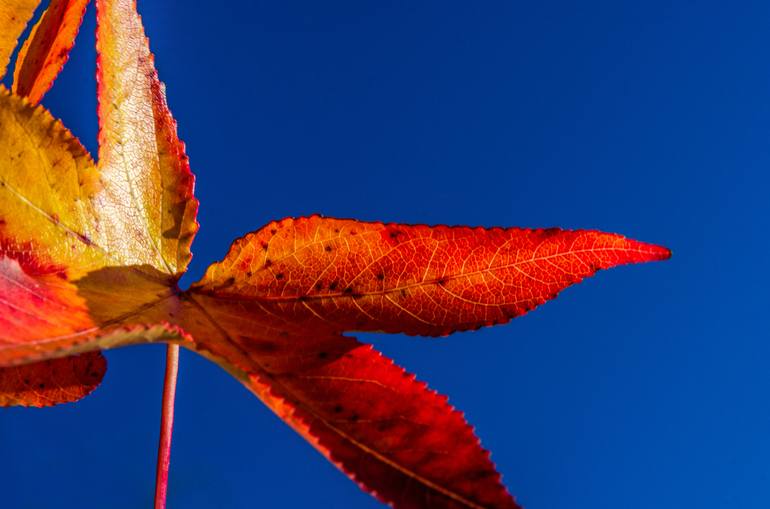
(47, 186)
(47, 48)
(62, 284)
(369, 417)
(347, 275)
(52, 382)
(277, 303)
(148, 182)
(14, 16)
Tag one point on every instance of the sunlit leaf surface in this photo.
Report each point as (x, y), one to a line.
(90, 256)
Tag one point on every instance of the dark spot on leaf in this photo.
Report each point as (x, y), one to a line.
(333, 285)
(85, 240)
(337, 409)
(549, 232)
(478, 475)
(259, 345)
(328, 249)
(322, 355)
(268, 263)
(381, 276)
(279, 276)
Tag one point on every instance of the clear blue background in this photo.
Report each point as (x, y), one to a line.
(644, 387)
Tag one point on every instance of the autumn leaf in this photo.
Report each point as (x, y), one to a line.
(420, 280)
(272, 313)
(91, 253)
(50, 382)
(84, 233)
(45, 52)
(14, 16)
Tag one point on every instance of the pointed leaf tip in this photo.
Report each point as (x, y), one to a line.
(142, 161)
(281, 297)
(14, 16)
(47, 48)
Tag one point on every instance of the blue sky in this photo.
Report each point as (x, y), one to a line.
(644, 386)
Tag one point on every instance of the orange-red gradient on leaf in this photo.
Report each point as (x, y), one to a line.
(14, 16)
(148, 184)
(53, 381)
(47, 48)
(274, 308)
(429, 281)
(394, 436)
(37, 301)
(90, 257)
(133, 214)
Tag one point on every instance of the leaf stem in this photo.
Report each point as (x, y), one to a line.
(166, 425)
